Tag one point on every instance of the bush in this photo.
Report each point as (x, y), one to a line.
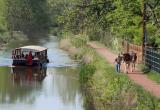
(86, 72)
(79, 41)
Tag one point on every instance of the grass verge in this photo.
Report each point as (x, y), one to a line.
(154, 76)
(150, 74)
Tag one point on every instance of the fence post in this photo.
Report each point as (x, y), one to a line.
(143, 10)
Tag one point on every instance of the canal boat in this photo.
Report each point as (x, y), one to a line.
(31, 55)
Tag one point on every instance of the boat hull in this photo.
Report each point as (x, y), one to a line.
(18, 62)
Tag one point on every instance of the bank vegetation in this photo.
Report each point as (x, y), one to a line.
(103, 87)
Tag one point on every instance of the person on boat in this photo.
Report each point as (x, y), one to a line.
(30, 58)
(22, 55)
(26, 56)
(42, 56)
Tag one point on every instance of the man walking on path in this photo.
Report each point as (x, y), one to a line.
(118, 63)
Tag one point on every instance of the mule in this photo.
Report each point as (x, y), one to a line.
(129, 59)
(133, 60)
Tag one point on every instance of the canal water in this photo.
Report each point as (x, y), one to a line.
(54, 87)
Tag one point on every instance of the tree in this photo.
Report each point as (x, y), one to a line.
(27, 16)
(2, 17)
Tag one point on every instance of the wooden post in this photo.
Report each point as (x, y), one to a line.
(143, 28)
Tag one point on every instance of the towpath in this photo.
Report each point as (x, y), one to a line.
(137, 76)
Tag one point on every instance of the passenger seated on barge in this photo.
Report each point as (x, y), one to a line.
(30, 55)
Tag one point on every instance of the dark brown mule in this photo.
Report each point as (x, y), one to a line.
(127, 60)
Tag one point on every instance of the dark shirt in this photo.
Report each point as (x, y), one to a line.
(118, 60)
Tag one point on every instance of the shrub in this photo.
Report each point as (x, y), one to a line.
(79, 41)
(86, 72)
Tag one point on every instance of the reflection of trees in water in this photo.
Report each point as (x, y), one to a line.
(21, 85)
(18, 87)
(67, 84)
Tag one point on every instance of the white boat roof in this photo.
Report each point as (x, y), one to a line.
(33, 47)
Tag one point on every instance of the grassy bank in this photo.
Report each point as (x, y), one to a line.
(105, 89)
(150, 74)
(154, 76)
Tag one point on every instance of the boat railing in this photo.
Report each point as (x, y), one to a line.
(18, 57)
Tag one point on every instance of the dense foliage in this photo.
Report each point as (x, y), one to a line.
(104, 19)
(23, 16)
(27, 16)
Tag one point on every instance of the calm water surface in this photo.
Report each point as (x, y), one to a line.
(55, 87)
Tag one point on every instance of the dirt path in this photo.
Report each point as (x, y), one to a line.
(137, 76)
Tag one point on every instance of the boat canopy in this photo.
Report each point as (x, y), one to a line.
(33, 47)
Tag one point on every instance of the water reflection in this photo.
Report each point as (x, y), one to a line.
(17, 84)
(40, 88)
(28, 74)
(66, 81)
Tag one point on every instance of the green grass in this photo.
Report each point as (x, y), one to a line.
(150, 74)
(154, 76)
